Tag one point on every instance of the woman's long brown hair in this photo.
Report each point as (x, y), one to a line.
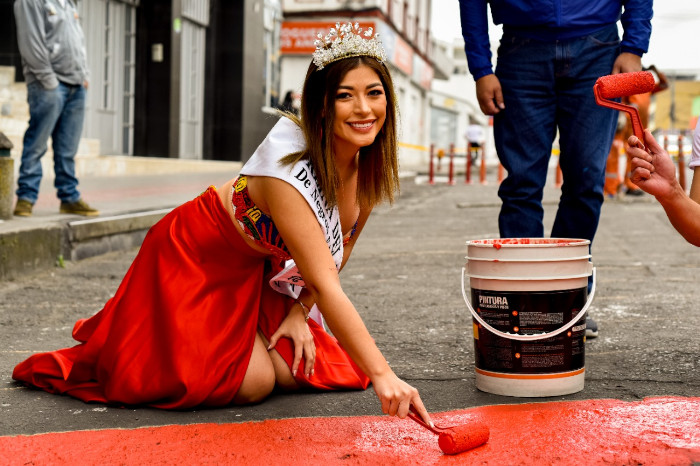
(378, 166)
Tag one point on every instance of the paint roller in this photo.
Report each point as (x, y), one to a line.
(456, 439)
(622, 85)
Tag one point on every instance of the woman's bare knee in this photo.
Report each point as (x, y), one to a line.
(259, 379)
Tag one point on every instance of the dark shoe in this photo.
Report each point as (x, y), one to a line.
(591, 328)
(634, 192)
(23, 208)
(78, 207)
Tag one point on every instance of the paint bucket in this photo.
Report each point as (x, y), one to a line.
(529, 325)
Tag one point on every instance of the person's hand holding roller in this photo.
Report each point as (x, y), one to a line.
(653, 169)
(655, 173)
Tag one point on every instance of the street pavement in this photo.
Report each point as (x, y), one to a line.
(404, 278)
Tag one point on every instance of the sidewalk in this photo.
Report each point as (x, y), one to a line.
(129, 201)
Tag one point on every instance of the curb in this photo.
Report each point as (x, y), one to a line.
(48, 244)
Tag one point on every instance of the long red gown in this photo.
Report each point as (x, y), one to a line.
(179, 331)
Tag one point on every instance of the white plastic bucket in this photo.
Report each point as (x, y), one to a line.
(531, 297)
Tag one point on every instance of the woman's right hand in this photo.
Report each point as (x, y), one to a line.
(396, 397)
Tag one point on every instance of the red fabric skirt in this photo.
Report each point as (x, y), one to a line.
(179, 331)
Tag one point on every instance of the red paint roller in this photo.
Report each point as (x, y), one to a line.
(623, 85)
(456, 439)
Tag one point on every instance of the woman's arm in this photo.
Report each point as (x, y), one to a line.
(304, 238)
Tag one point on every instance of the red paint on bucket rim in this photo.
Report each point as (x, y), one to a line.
(498, 243)
(659, 430)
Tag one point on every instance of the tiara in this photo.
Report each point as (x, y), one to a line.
(345, 41)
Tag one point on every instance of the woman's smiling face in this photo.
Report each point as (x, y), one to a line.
(360, 110)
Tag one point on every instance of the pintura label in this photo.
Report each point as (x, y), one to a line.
(527, 313)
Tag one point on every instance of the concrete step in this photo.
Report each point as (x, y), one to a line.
(141, 191)
(46, 244)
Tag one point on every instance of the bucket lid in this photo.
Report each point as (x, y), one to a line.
(586, 257)
(499, 243)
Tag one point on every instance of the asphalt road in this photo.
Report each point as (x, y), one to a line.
(404, 278)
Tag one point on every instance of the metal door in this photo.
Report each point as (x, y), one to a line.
(110, 31)
(195, 15)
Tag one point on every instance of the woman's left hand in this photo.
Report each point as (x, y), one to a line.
(295, 328)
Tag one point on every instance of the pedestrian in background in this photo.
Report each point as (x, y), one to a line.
(230, 293)
(655, 173)
(550, 55)
(54, 60)
(290, 103)
(475, 139)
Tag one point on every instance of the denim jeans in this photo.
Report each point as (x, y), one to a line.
(58, 113)
(548, 86)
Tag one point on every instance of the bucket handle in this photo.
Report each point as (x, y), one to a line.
(533, 337)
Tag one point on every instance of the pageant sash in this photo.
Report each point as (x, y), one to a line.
(286, 138)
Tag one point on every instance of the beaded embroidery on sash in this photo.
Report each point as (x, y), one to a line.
(254, 222)
(257, 225)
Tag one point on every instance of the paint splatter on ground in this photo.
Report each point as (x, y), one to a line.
(661, 430)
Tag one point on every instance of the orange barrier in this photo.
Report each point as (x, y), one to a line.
(482, 171)
(681, 157)
(451, 179)
(559, 177)
(472, 153)
(468, 170)
(431, 172)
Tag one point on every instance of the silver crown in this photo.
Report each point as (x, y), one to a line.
(345, 41)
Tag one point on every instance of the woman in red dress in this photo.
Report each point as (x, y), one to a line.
(230, 293)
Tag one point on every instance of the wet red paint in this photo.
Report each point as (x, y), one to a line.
(459, 439)
(500, 242)
(660, 431)
(625, 84)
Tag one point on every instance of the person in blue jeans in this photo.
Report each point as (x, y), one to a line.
(550, 55)
(52, 46)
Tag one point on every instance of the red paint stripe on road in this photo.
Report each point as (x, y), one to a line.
(662, 430)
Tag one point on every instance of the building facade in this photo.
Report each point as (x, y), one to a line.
(172, 78)
(404, 28)
(200, 79)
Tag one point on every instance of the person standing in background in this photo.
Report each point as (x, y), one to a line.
(290, 103)
(54, 59)
(475, 138)
(550, 55)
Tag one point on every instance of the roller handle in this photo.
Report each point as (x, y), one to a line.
(631, 110)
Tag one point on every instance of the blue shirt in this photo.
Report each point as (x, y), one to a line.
(551, 20)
